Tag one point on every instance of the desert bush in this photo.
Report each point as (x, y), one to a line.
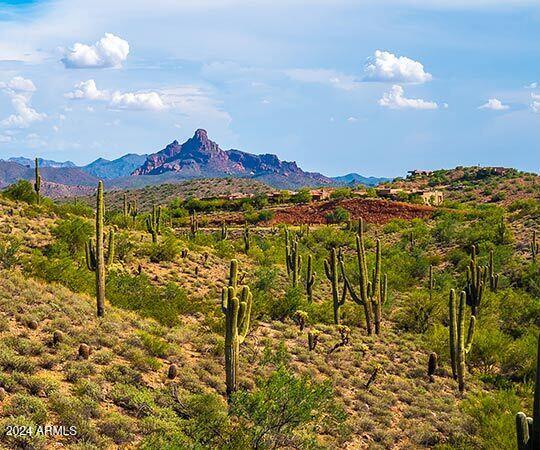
(154, 344)
(73, 234)
(280, 308)
(163, 303)
(74, 208)
(120, 428)
(338, 215)
(166, 250)
(417, 312)
(9, 249)
(28, 406)
(285, 411)
(22, 190)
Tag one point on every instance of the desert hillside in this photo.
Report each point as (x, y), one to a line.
(150, 373)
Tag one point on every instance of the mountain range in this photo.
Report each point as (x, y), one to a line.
(198, 157)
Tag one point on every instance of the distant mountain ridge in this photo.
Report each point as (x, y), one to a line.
(120, 167)
(198, 157)
(42, 162)
(354, 178)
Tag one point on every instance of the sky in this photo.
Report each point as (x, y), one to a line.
(376, 87)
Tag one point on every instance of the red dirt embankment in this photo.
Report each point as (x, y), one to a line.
(372, 210)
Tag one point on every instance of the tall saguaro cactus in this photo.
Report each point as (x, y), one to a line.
(153, 223)
(193, 224)
(371, 294)
(95, 252)
(247, 239)
(310, 279)
(459, 345)
(535, 246)
(492, 276)
(236, 305)
(331, 270)
(37, 183)
(528, 428)
(293, 259)
(224, 231)
(476, 277)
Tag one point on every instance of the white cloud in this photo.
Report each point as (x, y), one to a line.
(87, 90)
(352, 119)
(109, 51)
(20, 91)
(323, 76)
(395, 100)
(535, 103)
(387, 67)
(4, 139)
(494, 104)
(55, 128)
(138, 101)
(19, 84)
(533, 85)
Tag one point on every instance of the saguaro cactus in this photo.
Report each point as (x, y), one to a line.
(459, 346)
(476, 277)
(528, 428)
(371, 294)
(431, 282)
(37, 183)
(95, 254)
(193, 224)
(125, 209)
(535, 246)
(236, 305)
(247, 239)
(292, 258)
(492, 276)
(153, 223)
(332, 273)
(224, 231)
(432, 366)
(310, 279)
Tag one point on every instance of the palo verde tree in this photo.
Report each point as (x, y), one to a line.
(236, 305)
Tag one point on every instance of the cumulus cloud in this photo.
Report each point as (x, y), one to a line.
(395, 99)
(535, 103)
(109, 51)
(19, 84)
(533, 85)
(20, 91)
(88, 90)
(387, 67)
(4, 139)
(139, 101)
(494, 104)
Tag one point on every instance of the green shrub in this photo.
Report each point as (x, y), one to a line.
(9, 249)
(280, 308)
(163, 303)
(30, 407)
(338, 215)
(285, 411)
(22, 190)
(73, 233)
(166, 250)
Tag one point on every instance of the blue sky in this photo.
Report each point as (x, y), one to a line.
(376, 87)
